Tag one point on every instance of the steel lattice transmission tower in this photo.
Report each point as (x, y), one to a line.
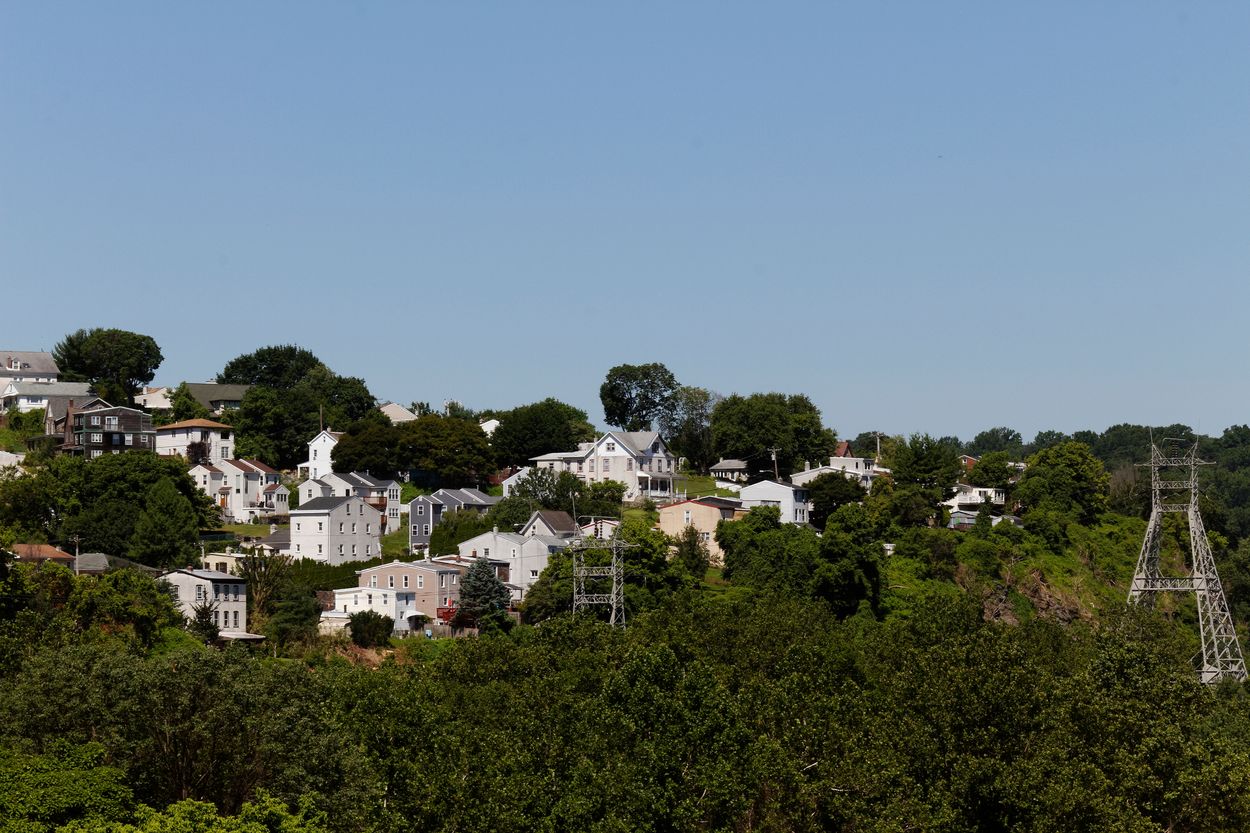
(615, 600)
(1174, 488)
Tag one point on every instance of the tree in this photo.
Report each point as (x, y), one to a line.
(687, 425)
(370, 628)
(691, 553)
(454, 528)
(849, 569)
(540, 428)
(184, 406)
(829, 491)
(201, 624)
(454, 452)
(1065, 478)
(484, 600)
(991, 471)
(635, 396)
(995, 439)
(925, 471)
(371, 447)
(280, 367)
(267, 576)
(70, 355)
(166, 532)
(118, 363)
(511, 513)
(748, 427)
(124, 602)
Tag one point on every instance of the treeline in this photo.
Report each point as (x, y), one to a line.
(765, 714)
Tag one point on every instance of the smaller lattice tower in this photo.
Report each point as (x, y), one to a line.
(615, 598)
(1174, 488)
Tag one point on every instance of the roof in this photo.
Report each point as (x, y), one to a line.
(397, 413)
(257, 464)
(321, 504)
(194, 423)
(28, 361)
(729, 464)
(43, 552)
(714, 501)
(843, 449)
(81, 389)
(638, 441)
(206, 393)
(91, 562)
(208, 575)
(555, 519)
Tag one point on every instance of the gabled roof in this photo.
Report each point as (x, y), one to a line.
(206, 393)
(556, 520)
(28, 361)
(397, 413)
(729, 464)
(639, 442)
(194, 423)
(259, 466)
(40, 552)
(322, 504)
(78, 389)
(714, 501)
(843, 449)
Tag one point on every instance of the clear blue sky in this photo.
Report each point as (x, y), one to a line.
(927, 216)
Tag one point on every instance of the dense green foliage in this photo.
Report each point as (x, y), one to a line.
(637, 396)
(444, 451)
(747, 427)
(540, 428)
(117, 363)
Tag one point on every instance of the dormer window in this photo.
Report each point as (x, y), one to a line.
(609, 447)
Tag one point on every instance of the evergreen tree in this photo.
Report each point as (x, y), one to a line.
(166, 533)
(484, 599)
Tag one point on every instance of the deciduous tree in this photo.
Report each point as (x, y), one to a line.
(636, 396)
(543, 427)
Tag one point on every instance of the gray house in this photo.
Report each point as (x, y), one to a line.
(425, 511)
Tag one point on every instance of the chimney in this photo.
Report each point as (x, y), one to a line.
(807, 465)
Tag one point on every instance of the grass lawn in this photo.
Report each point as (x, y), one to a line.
(248, 530)
(699, 485)
(718, 588)
(393, 543)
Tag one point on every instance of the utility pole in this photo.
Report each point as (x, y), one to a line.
(776, 473)
(1174, 488)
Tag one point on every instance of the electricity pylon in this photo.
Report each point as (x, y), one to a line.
(1174, 488)
(615, 600)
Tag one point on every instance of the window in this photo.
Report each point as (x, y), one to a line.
(655, 448)
(314, 454)
(95, 420)
(405, 581)
(392, 513)
(425, 530)
(318, 549)
(420, 582)
(340, 549)
(353, 549)
(485, 552)
(590, 467)
(442, 579)
(340, 527)
(629, 464)
(130, 439)
(97, 438)
(533, 574)
(368, 549)
(390, 582)
(297, 527)
(368, 529)
(143, 439)
(225, 452)
(320, 526)
(420, 508)
(236, 619)
(110, 422)
(297, 547)
(199, 592)
(353, 529)
(609, 446)
(579, 466)
(415, 530)
(687, 517)
(373, 581)
(215, 615)
(454, 576)
(96, 452)
(370, 597)
(606, 465)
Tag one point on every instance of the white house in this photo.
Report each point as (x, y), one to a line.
(510, 482)
(336, 530)
(24, 396)
(488, 426)
(319, 449)
(244, 490)
(639, 459)
(382, 495)
(863, 470)
(226, 593)
(550, 522)
(175, 439)
(410, 592)
(526, 555)
(154, 399)
(791, 500)
(970, 498)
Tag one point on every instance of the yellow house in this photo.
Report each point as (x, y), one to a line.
(703, 514)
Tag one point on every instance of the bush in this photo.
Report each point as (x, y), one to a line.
(370, 628)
